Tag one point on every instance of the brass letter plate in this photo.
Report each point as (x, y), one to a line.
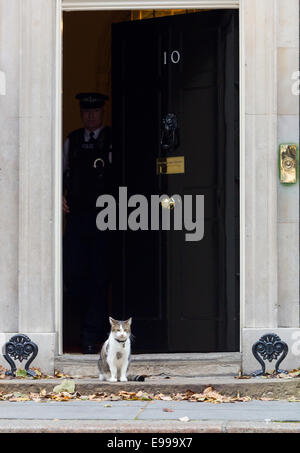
(169, 165)
(288, 163)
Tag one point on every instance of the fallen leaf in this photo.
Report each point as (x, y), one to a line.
(66, 385)
(60, 374)
(166, 409)
(293, 399)
(66, 391)
(21, 373)
(284, 375)
(166, 398)
(2, 372)
(295, 373)
(115, 397)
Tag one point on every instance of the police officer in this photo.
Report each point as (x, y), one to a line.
(87, 174)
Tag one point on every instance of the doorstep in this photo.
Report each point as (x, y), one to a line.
(172, 365)
(165, 373)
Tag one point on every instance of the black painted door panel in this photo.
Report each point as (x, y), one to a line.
(183, 296)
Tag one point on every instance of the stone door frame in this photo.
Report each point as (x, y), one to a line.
(258, 162)
(82, 5)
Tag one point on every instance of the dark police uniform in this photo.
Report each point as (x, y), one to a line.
(86, 249)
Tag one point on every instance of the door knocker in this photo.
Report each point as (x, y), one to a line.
(169, 136)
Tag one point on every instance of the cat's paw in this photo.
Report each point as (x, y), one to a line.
(112, 379)
(123, 379)
(101, 377)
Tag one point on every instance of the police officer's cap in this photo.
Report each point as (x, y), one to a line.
(91, 100)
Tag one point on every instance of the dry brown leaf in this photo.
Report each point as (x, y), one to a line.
(207, 390)
(295, 373)
(209, 395)
(293, 399)
(115, 397)
(179, 396)
(283, 375)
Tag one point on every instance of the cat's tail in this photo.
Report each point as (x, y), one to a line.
(137, 377)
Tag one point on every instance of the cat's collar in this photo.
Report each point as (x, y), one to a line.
(121, 341)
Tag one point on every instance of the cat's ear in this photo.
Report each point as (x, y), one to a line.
(112, 320)
(129, 321)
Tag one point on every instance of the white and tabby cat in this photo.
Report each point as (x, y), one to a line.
(115, 353)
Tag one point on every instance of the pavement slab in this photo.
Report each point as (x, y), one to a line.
(267, 411)
(144, 427)
(70, 410)
(156, 416)
(241, 411)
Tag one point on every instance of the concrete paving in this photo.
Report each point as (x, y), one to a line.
(280, 411)
(137, 427)
(139, 416)
(169, 373)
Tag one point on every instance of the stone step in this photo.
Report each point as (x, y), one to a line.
(176, 364)
(255, 388)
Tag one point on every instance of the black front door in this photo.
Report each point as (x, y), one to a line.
(183, 294)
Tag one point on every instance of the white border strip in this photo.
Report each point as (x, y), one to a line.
(81, 5)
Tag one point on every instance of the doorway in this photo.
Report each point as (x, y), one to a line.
(183, 296)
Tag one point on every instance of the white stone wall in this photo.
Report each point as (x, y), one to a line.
(259, 172)
(9, 165)
(272, 209)
(28, 174)
(288, 196)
